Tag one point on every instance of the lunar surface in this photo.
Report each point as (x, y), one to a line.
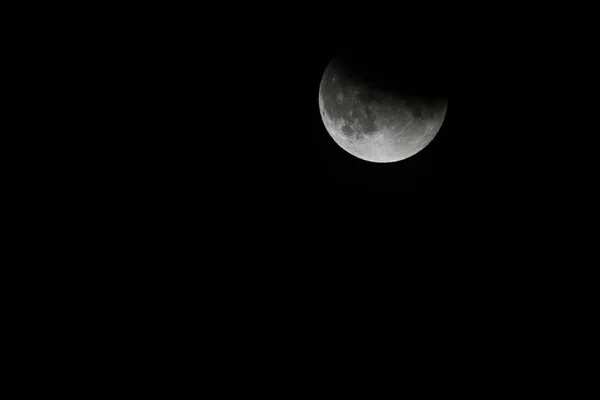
(376, 118)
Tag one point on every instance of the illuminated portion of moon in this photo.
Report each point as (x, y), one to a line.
(374, 127)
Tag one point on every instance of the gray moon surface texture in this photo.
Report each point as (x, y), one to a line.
(375, 124)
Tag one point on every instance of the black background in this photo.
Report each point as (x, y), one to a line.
(202, 166)
(247, 100)
(218, 126)
(197, 174)
(258, 87)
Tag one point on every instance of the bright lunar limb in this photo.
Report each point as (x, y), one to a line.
(376, 124)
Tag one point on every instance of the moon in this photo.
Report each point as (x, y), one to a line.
(378, 113)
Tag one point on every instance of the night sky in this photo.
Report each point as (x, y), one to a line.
(224, 150)
(246, 134)
(213, 182)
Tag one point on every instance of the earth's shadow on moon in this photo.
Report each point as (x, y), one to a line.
(418, 78)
